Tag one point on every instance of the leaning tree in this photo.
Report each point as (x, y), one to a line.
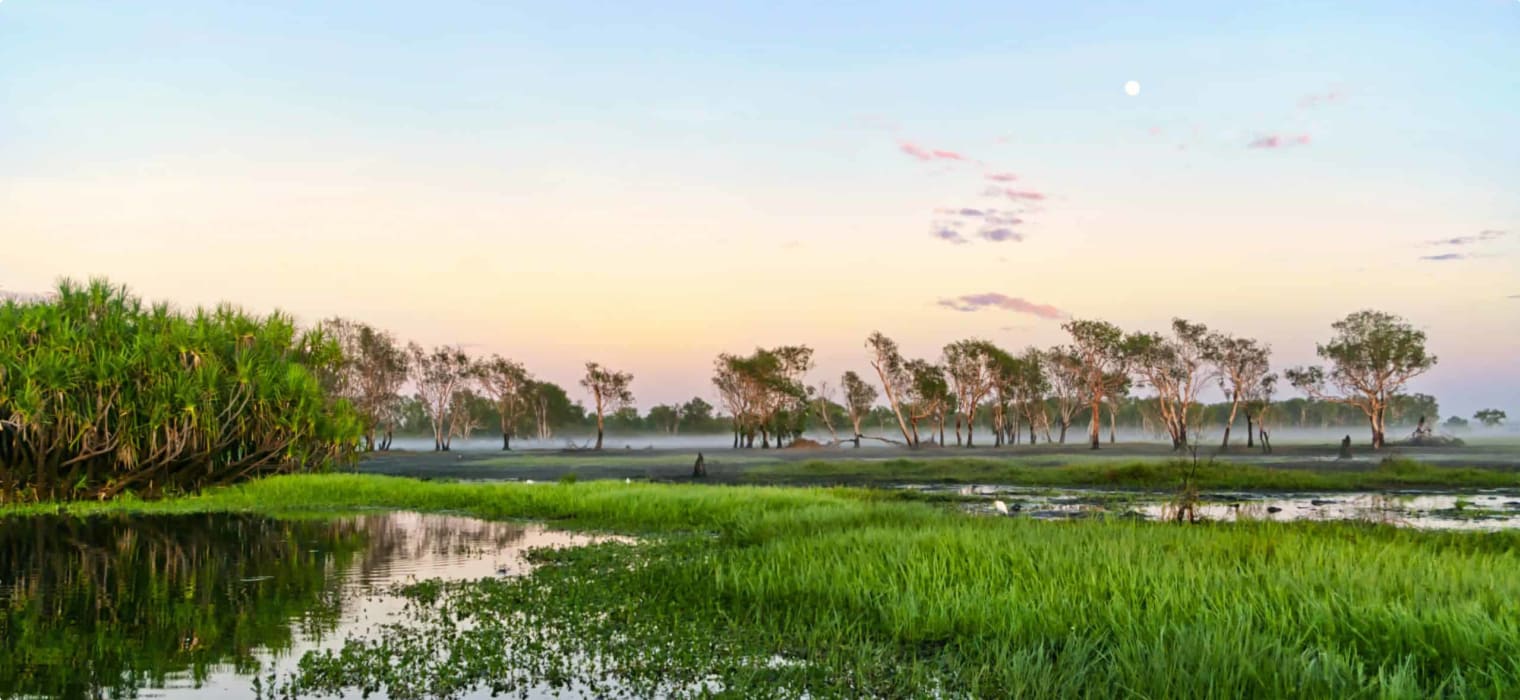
(609, 392)
(1372, 356)
(859, 397)
(896, 381)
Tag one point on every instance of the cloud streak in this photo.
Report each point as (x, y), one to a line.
(1000, 235)
(1279, 141)
(993, 300)
(930, 154)
(948, 235)
(1001, 177)
(1013, 194)
(1315, 100)
(1444, 257)
(1479, 237)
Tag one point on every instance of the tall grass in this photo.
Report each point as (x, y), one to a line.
(1151, 474)
(876, 596)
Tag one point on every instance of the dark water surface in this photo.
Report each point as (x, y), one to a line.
(198, 605)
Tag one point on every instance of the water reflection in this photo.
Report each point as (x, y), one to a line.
(110, 606)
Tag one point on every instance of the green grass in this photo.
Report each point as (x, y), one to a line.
(868, 594)
(1148, 474)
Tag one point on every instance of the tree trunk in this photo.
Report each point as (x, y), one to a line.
(506, 441)
(1093, 430)
(1234, 406)
(1250, 431)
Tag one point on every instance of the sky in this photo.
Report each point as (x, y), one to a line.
(647, 185)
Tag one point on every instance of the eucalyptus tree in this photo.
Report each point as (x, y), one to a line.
(764, 391)
(822, 402)
(1240, 364)
(438, 375)
(1372, 356)
(1258, 403)
(610, 391)
(970, 364)
(509, 385)
(1176, 367)
(370, 375)
(1068, 385)
(1033, 376)
(888, 362)
(928, 397)
(1098, 353)
(859, 397)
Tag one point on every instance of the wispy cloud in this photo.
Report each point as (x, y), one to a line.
(1479, 237)
(1514, 296)
(1444, 257)
(1013, 194)
(1000, 235)
(1279, 141)
(948, 234)
(993, 300)
(1324, 98)
(1002, 219)
(930, 154)
(1002, 177)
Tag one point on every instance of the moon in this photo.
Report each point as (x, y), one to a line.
(1132, 88)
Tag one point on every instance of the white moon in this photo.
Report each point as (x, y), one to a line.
(1132, 88)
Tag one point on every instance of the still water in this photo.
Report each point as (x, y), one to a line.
(195, 606)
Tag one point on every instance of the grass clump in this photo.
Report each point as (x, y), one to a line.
(764, 592)
(1146, 475)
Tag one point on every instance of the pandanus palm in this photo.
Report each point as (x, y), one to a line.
(100, 394)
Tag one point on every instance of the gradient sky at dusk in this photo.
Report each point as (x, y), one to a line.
(648, 186)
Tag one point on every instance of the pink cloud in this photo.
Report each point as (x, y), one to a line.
(993, 300)
(1013, 194)
(1002, 177)
(929, 154)
(1279, 141)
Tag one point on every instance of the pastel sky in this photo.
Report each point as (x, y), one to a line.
(650, 184)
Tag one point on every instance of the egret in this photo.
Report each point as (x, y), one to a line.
(1000, 506)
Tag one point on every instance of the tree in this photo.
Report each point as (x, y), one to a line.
(370, 376)
(1176, 367)
(928, 396)
(697, 413)
(508, 384)
(1258, 402)
(1097, 347)
(665, 418)
(1372, 356)
(609, 392)
(551, 408)
(970, 366)
(1031, 384)
(1240, 363)
(859, 396)
(890, 369)
(764, 392)
(438, 376)
(1067, 382)
(1490, 417)
(1456, 423)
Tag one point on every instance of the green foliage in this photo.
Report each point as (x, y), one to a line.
(101, 394)
(1149, 475)
(1490, 417)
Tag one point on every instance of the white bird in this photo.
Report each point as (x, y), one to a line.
(1000, 507)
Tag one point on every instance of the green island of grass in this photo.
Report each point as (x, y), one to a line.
(766, 592)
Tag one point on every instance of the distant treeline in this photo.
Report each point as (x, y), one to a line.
(101, 394)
